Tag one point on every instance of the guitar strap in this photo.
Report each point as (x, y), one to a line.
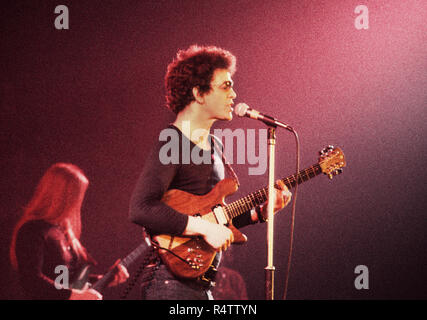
(227, 165)
(207, 280)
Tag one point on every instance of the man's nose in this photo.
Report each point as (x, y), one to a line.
(233, 94)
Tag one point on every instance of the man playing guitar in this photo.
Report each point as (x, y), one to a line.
(199, 91)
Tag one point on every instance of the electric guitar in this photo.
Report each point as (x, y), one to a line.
(191, 257)
(82, 278)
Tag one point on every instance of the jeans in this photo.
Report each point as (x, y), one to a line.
(164, 286)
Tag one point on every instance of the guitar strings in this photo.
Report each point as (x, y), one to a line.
(258, 197)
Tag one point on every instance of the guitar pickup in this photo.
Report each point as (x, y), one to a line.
(220, 215)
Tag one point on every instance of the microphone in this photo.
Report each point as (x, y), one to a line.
(243, 110)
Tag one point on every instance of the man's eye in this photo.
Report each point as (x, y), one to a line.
(228, 85)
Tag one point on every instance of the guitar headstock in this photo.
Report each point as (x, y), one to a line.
(331, 161)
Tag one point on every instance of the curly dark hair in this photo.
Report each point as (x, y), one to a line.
(194, 67)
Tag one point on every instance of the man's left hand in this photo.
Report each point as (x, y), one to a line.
(283, 197)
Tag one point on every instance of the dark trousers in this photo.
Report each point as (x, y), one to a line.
(162, 285)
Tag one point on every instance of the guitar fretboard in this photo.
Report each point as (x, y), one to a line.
(256, 198)
(126, 262)
(131, 257)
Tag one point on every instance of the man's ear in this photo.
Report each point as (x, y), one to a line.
(199, 98)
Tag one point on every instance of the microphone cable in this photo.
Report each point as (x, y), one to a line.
(291, 241)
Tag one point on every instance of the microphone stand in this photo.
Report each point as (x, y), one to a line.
(269, 269)
(272, 123)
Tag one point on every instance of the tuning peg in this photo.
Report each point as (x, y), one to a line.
(337, 172)
(326, 150)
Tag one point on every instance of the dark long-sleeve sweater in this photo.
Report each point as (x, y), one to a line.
(159, 176)
(40, 248)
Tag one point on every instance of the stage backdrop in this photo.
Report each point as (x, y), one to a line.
(355, 77)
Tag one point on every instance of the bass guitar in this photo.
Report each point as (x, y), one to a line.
(82, 279)
(191, 257)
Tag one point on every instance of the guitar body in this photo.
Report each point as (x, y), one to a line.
(198, 255)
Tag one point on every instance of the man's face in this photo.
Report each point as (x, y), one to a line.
(219, 101)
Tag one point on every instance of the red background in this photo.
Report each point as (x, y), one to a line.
(93, 95)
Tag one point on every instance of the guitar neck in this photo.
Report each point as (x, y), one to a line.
(256, 198)
(135, 254)
(126, 262)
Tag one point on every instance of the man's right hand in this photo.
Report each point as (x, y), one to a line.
(217, 236)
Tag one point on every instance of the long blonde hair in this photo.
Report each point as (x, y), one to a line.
(57, 200)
